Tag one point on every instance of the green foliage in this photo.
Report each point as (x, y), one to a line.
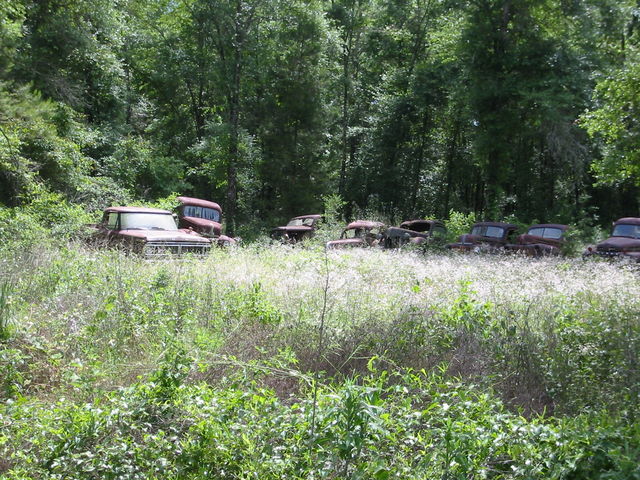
(116, 366)
(411, 425)
(5, 309)
(613, 122)
(459, 223)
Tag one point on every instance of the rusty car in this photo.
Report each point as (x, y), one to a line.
(485, 237)
(203, 217)
(541, 239)
(361, 233)
(150, 232)
(623, 243)
(414, 232)
(297, 229)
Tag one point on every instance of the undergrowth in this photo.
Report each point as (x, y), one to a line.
(432, 366)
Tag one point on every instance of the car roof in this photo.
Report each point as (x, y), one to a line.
(421, 221)
(364, 224)
(136, 210)
(313, 215)
(495, 224)
(198, 202)
(628, 220)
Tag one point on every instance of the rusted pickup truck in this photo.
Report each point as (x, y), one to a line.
(540, 239)
(297, 229)
(624, 241)
(150, 232)
(485, 237)
(203, 217)
(414, 232)
(361, 233)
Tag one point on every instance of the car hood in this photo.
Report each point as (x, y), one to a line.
(619, 243)
(164, 236)
(404, 232)
(203, 222)
(293, 228)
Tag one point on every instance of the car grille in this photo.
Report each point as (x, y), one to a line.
(159, 249)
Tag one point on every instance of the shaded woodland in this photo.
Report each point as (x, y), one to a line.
(522, 109)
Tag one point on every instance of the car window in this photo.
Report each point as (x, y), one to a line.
(494, 232)
(553, 233)
(626, 230)
(112, 220)
(201, 212)
(147, 221)
(439, 231)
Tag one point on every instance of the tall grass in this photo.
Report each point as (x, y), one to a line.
(199, 351)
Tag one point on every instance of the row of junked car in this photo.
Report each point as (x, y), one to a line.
(539, 240)
(196, 225)
(484, 236)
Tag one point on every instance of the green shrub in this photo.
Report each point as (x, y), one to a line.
(459, 223)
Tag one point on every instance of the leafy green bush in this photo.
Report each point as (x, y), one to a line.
(459, 223)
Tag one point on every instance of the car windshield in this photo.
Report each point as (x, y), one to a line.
(626, 230)
(352, 233)
(546, 232)
(298, 222)
(416, 226)
(147, 221)
(201, 212)
(488, 231)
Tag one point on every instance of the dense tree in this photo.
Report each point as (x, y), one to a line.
(405, 107)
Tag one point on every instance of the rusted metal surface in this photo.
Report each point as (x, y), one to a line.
(203, 217)
(624, 241)
(540, 239)
(485, 236)
(414, 232)
(358, 234)
(147, 231)
(199, 215)
(198, 202)
(297, 229)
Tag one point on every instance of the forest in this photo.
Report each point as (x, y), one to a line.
(520, 109)
(267, 360)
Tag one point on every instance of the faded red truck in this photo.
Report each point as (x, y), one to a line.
(624, 241)
(361, 233)
(203, 217)
(147, 231)
(297, 229)
(541, 239)
(485, 236)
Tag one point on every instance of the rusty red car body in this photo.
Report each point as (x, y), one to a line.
(203, 217)
(297, 229)
(624, 241)
(147, 231)
(541, 239)
(414, 232)
(361, 233)
(485, 237)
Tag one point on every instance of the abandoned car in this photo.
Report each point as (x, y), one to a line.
(414, 232)
(485, 237)
(361, 233)
(297, 229)
(147, 231)
(203, 217)
(540, 239)
(624, 241)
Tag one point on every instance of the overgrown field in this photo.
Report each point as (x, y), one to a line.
(276, 362)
